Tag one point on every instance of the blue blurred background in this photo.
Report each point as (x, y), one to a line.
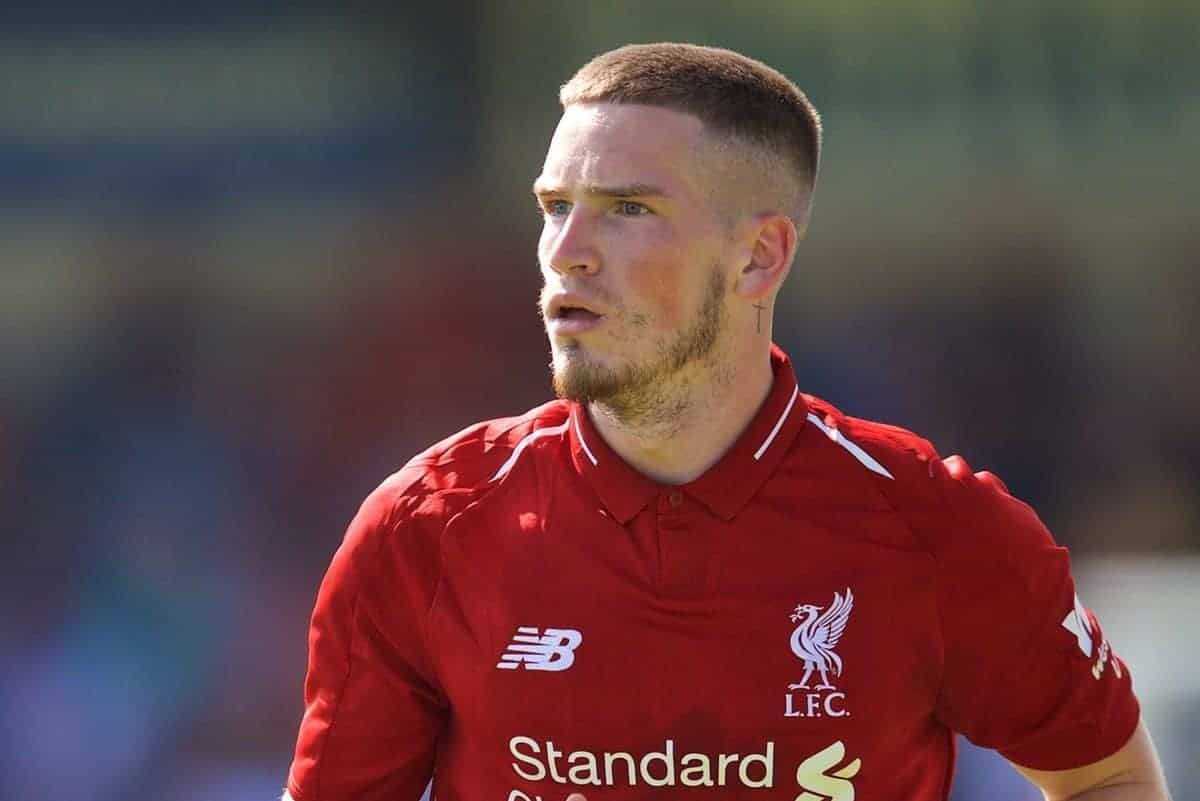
(253, 256)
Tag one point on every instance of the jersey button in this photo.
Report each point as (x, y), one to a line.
(675, 498)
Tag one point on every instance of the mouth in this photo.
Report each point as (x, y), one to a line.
(571, 307)
(574, 313)
(566, 314)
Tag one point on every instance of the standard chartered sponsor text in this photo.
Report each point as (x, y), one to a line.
(538, 761)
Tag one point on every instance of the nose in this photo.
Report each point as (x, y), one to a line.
(570, 246)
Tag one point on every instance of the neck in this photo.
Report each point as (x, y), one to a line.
(685, 425)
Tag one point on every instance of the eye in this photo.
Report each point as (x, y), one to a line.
(552, 207)
(630, 208)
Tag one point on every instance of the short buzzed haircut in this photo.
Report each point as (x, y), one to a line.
(736, 97)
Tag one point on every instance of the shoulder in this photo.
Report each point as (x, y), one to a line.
(892, 453)
(449, 475)
(938, 497)
(470, 460)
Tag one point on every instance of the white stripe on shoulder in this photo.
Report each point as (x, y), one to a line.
(582, 441)
(778, 425)
(862, 456)
(530, 437)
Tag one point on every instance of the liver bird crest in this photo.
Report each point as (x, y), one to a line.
(816, 636)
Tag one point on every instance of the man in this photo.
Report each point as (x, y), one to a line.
(685, 578)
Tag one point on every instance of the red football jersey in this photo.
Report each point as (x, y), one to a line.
(518, 614)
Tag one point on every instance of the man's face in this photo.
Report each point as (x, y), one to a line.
(632, 252)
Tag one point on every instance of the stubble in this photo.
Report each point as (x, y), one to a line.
(653, 392)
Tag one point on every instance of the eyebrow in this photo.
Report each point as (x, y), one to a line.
(618, 190)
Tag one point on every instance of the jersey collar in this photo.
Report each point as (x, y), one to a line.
(726, 486)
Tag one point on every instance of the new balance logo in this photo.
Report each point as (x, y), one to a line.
(553, 650)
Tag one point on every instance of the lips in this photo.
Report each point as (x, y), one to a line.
(568, 314)
(576, 313)
(572, 307)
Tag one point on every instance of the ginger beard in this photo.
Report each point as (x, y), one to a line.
(636, 390)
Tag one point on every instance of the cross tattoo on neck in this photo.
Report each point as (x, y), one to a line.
(758, 324)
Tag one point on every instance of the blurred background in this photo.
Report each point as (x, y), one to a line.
(253, 256)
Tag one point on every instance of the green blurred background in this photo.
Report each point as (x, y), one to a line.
(254, 256)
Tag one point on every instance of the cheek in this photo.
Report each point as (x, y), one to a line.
(660, 282)
(669, 303)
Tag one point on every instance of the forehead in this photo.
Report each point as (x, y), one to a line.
(606, 143)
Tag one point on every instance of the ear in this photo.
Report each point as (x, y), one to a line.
(774, 246)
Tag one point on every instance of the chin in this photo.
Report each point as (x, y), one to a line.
(578, 377)
(571, 354)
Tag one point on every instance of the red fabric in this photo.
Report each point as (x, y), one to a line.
(694, 607)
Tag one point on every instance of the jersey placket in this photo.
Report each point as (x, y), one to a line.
(681, 545)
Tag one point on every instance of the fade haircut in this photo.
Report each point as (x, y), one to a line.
(740, 101)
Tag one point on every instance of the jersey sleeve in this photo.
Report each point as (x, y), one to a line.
(1027, 670)
(373, 709)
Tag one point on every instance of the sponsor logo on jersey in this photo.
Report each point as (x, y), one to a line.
(817, 632)
(820, 777)
(532, 649)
